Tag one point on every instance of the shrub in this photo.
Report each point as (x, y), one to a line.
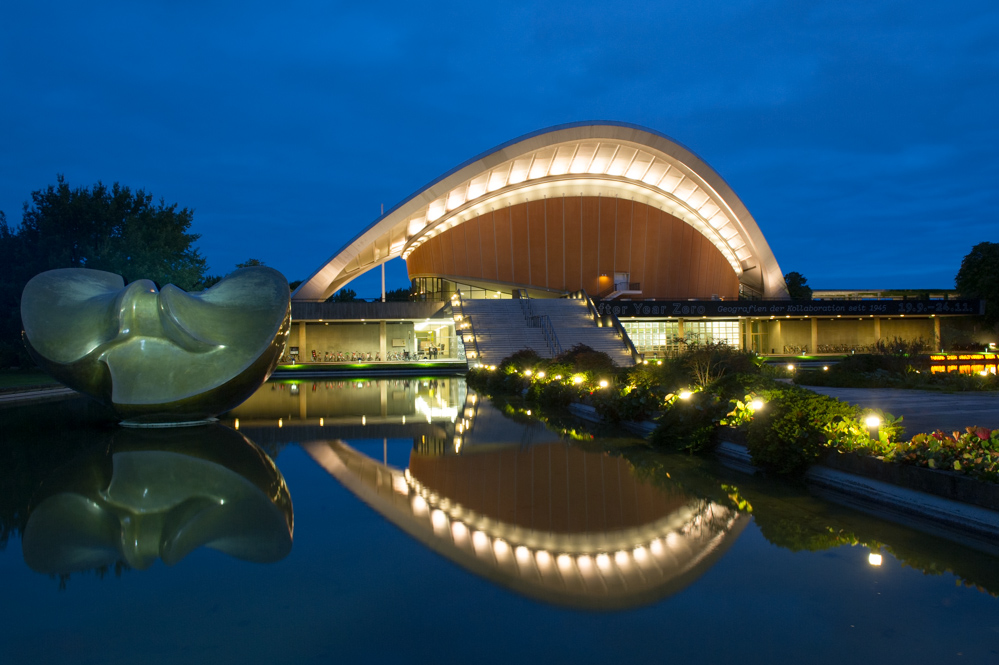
(584, 359)
(690, 424)
(790, 433)
(974, 452)
(706, 363)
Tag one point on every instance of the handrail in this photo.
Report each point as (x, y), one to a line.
(603, 320)
(548, 330)
(614, 321)
(582, 295)
(465, 323)
(525, 307)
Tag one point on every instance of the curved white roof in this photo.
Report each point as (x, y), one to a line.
(603, 158)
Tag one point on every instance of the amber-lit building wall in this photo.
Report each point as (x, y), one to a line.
(569, 243)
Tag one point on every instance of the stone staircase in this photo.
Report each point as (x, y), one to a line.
(502, 327)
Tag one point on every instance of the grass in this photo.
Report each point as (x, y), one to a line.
(15, 379)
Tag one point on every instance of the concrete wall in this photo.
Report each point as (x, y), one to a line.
(790, 332)
(907, 329)
(348, 337)
(847, 332)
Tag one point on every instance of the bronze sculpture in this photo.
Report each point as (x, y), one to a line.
(158, 356)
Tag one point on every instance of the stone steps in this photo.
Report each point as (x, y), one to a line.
(501, 328)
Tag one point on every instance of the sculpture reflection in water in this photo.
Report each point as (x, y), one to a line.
(157, 356)
(547, 519)
(152, 494)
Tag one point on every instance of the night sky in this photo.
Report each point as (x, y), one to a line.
(862, 135)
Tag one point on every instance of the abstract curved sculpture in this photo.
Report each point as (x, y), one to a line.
(157, 356)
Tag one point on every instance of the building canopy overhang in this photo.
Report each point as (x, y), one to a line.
(582, 159)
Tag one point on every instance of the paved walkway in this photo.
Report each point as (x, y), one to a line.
(925, 410)
(28, 396)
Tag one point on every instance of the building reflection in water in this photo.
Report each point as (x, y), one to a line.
(510, 501)
(160, 493)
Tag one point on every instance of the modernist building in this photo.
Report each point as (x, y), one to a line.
(636, 220)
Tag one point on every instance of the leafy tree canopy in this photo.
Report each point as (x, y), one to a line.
(797, 286)
(249, 263)
(112, 229)
(343, 295)
(397, 295)
(979, 278)
(99, 227)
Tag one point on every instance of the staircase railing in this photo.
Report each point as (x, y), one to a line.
(544, 322)
(608, 319)
(463, 326)
(525, 307)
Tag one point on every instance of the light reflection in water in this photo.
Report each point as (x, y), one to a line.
(159, 494)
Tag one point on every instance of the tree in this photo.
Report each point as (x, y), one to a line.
(343, 295)
(397, 295)
(978, 278)
(797, 286)
(99, 227)
(249, 263)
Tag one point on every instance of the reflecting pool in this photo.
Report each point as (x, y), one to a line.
(412, 519)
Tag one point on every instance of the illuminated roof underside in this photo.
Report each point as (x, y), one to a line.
(585, 159)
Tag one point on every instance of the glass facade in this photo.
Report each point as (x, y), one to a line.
(662, 339)
(440, 289)
(655, 339)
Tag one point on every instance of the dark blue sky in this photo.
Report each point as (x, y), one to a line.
(862, 135)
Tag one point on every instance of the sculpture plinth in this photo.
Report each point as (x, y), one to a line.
(158, 356)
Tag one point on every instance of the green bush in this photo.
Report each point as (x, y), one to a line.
(584, 359)
(789, 434)
(690, 424)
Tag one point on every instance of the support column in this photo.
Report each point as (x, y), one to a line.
(815, 335)
(382, 345)
(303, 353)
(877, 328)
(936, 334)
(383, 396)
(679, 329)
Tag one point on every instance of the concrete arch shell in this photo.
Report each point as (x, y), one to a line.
(601, 159)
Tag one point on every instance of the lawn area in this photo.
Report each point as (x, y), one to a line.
(10, 380)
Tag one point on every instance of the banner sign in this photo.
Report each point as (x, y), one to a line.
(767, 308)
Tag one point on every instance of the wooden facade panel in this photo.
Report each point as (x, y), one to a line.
(688, 263)
(537, 230)
(675, 252)
(435, 255)
(607, 228)
(572, 214)
(447, 252)
(459, 249)
(639, 217)
(622, 238)
(519, 244)
(473, 242)
(555, 242)
(590, 241)
(487, 243)
(504, 245)
(653, 261)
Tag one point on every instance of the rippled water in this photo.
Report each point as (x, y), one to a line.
(409, 519)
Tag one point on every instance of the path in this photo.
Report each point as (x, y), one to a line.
(925, 410)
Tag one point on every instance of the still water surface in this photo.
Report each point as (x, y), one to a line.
(412, 520)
